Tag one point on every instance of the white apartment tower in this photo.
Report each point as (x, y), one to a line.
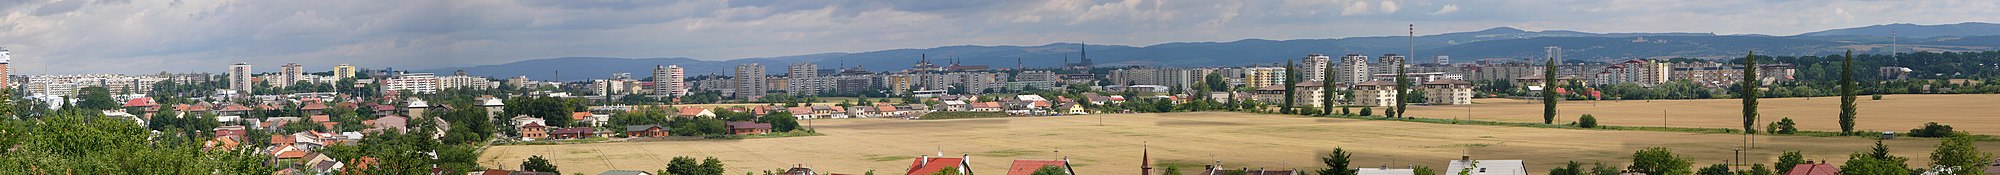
(290, 73)
(239, 78)
(1389, 62)
(1443, 60)
(750, 81)
(669, 80)
(343, 71)
(1554, 52)
(803, 77)
(1315, 67)
(1353, 69)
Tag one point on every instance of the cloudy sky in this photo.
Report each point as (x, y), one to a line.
(149, 36)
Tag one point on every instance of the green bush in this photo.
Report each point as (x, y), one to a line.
(1876, 97)
(1366, 111)
(1786, 126)
(1587, 121)
(1932, 129)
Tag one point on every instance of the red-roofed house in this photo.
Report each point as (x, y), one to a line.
(235, 110)
(1028, 167)
(927, 165)
(1814, 168)
(741, 128)
(321, 118)
(140, 102)
(534, 130)
(694, 112)
(987, 107)
(313, 108)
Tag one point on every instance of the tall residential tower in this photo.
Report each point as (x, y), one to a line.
(239, 78)
(669, 80)
(750, 81)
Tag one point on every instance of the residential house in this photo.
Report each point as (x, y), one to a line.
(1028, 167)
(885, 110)
(1216, 169)
(639, 131)
(1075, 109)
(534, 130)
(986, 107)
(954, 106)
(691, 112)
(230, 131)
(1814, 168)
(625, 172)
(745, 128)
(589, 119)
(799, 170)
(926, 165)
(1486, 167)
(802, 112)
(574, 133)
(313, 108)
(399, 124)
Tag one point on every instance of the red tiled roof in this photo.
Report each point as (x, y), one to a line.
(234, 108)
(920, 167)
(885, 108)
(1028, 167)
(140, 102)
(579, 115)
(1814, 169)
(313, 106)
(749, 125)
(281, 139)
(690, 111)
(321, 118)
(291, 154)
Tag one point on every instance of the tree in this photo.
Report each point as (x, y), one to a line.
(710, 166)
(1874, 163)
(1586, 121)
(1659, 161)
(1215, 82)
(682, 165)
(946, 171)
(1749, 92)
(1050, 170)
(537, 164)
(1757, 169)
(1326, 89)
(1788, 160)
(1571, 168)
(1598, 168)
(1402, 91)
(781, 121)
(1172, 170)
(1717, 169)
(1336, 163)
(1367, 111)
(1423, 170)
(1549, 92)
(1959, 153)
(1291, 90)
(1847, 109)
(96, 98)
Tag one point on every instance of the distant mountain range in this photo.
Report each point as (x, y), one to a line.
(1496, 44)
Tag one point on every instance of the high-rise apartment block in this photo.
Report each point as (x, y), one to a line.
(1353, 69)
(343, 71)
(1315, 67)
(669, 80)
(750, 81)
(239, 78)
(290, 73)
(1389, 63)
(803, 79)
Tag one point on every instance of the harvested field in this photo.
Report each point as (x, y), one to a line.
(1188, 140)
(1899, 113)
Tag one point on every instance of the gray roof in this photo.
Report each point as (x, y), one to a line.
(1490, 167)
(630, 128)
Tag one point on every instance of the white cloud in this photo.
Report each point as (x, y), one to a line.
(1356, 8)
(1447, 9)
(153, 36)
(1389, 7)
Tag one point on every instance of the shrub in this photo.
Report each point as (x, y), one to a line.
(1876, 97)
(1587, 121)
(1932, 129)
(1367, 111)
(1786, 126)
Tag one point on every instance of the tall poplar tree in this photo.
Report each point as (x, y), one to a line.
(1749, 91)
(1402, 89)
(1847, 98)
(1549, 92)
(1326, 89)
(1290, 91)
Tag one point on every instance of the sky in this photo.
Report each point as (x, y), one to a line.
(151, 36)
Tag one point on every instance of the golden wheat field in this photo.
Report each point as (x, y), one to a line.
(1186, 140)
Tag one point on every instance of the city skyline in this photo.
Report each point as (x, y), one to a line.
(147, 37)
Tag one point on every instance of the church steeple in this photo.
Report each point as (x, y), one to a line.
(1146, 161)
